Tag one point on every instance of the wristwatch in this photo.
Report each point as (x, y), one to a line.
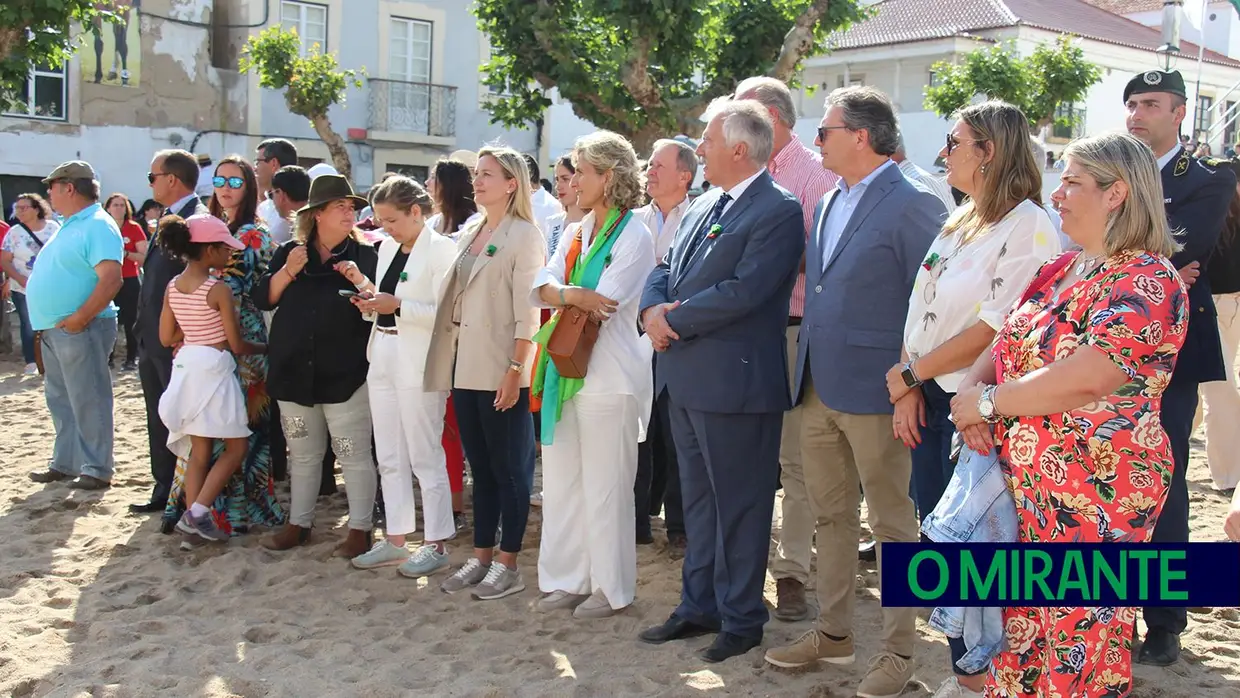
(515, 366)
(986, 405)
(910, 376)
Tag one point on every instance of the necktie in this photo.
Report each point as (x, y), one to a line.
(716, 212)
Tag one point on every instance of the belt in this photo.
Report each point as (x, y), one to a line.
(386, 330)
(794, 321)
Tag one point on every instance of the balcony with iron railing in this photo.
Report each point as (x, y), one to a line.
(412, 111)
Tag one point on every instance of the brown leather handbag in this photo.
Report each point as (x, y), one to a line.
(572, 341)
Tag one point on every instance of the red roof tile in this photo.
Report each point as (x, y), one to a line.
(1127, 7)
(902, 21)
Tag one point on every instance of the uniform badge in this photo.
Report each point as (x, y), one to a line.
(1153, 77)
(1181, 165)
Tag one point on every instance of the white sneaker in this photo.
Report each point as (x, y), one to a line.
(381, 554)
(536, 499)
(560, 600)
(951, 688)
(31, 370)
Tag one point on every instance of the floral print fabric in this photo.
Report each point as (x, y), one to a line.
(1099, 473)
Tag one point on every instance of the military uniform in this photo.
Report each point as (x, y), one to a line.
(1196, 194)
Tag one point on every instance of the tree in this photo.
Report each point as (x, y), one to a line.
(1053, 75)
(644, 68)
(311, 84)
(38, 33)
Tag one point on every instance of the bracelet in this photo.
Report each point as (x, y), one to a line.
(913, 370)
(562, 301)
(291, 275)
(514, 365)
(362, 286)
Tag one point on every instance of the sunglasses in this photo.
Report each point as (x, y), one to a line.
(952, 143)
(152, 176)
(823, 131)
(232, 182)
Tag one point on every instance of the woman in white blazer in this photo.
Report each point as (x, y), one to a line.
(408, 420)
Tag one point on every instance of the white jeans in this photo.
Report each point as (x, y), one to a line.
(1222, 402)
(588, 538)
(408, 441)
(306, 429)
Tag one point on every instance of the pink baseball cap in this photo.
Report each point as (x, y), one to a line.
(207, 229)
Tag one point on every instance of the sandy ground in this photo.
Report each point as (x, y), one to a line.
(95, 602)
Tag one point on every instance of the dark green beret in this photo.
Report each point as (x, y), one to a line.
(1156, 81)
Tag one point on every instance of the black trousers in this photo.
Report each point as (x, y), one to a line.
(1179, 407)
(127, 305)
(155, 373)
(500, 450)
(658, 476)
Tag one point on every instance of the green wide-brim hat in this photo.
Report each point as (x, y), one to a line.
(328, 188)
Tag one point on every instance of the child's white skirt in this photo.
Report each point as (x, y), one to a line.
(203, 399)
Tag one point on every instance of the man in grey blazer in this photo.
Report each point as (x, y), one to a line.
(870, 236)
(717, 309)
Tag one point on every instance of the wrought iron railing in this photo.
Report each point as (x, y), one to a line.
(412, 107)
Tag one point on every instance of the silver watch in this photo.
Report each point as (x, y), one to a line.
(986, 405)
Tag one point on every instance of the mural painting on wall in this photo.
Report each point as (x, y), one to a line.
(112, 54)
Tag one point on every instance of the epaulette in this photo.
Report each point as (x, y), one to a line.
(1213, 163)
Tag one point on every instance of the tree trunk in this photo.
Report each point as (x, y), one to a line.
(335, 145)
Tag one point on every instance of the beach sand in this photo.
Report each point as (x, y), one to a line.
(96, 602)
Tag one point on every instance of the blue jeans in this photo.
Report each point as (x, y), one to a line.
(78, 388)
(500, 449)
(19, 302)
(932, 466)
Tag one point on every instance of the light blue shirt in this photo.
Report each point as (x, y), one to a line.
(841, 211)
(64, 272)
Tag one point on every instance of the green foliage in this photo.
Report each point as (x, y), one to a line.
(311, 84)
(1053, 75)
(38, 33)
(648, 66)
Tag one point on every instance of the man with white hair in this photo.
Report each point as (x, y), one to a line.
(716, 309)
(799, 170)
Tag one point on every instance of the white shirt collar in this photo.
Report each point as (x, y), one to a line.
(1168, 157)
(176, 208)
(736, 191)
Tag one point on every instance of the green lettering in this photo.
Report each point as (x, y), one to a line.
(1167, 575)
(1073, 576)
(1102, 568)
(970, 576)
(1014, 594)
(1143, 558)
(944, 576)
(1037, 576)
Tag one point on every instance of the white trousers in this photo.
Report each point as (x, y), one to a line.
(588, 537)
(408, 444)
(307, 430)
(1222, 401)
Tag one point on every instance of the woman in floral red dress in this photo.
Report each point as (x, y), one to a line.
(1073, 389)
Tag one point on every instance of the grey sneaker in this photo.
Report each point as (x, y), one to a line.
(594, 608)
(381, 554)
(425, 561)
(470, 574)
(560, 601)
(499, 582)
(205, 527)
(185, 525)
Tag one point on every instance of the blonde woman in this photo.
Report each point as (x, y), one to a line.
(973, 274)
(1073, 390)
(591, 426)
(408, 420)
(481, 351)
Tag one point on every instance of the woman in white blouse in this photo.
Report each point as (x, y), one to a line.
(973, 274)
(408, 420)
(572, 213)
(591, 426)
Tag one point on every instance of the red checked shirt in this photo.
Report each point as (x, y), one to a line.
(799, 170)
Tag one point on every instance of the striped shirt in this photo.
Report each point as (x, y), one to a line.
(201, 323)
(799, 170)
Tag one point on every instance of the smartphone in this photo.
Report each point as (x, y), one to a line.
(346, 293)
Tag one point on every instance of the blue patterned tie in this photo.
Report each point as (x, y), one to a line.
(716, 212)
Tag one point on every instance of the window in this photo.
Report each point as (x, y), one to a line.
(1072, 112)
(308, 20)
(1204, 117)
(1229, 133)
(42, 97)
(854, 80)
(409, 67)
(418, 172)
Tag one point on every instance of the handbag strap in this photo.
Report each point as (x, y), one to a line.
(30, 234)
(1043, 279)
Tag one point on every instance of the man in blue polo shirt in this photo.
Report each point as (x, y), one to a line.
(69, 296)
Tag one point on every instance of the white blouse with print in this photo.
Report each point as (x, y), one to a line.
(957, 286)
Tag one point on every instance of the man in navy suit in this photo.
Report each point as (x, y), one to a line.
(871, 234)
(1196, 196)
(717, 309)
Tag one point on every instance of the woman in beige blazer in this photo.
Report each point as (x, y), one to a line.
(481, 350)
(408, 418)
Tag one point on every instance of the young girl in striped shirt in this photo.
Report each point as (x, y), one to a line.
(203, 401)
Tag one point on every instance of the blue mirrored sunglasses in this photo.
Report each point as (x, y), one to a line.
(232, 182)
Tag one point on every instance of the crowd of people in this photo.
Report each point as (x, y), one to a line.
(836, 323)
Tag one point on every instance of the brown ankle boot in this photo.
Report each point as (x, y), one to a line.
(356, 543)
(287, 538)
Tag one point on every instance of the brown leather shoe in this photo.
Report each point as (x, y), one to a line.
(356, 543)
(287, 538)
(790, 605)
(49, 475)
(86, 482)
(676, 544)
